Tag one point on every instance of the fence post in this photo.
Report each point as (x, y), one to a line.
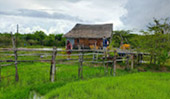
(0, 73)
(97, 55)
(15, 53)
(104, 64)
(132, 61)
(127, 62)
(80, 69)
(53, 65)
(94, 55)
(79, 62)
(114, 63)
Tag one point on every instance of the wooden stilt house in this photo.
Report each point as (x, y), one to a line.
(89, 35)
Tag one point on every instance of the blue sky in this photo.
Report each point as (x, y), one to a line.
(59, 16)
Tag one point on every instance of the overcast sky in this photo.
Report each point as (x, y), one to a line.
(59, 16)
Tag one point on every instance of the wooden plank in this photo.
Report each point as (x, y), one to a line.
(6, 65)
(25, 60)
(85, 50)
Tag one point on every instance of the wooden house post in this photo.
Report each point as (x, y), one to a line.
(53, 65)
(15, 53)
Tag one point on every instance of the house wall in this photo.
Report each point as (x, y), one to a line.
(86, 42)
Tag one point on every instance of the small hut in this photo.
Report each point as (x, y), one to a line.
(89, 35)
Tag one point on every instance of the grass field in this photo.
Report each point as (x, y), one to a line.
(34, 81)
(34, 77)
(133, 86)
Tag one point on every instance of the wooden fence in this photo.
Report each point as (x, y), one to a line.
(80, 52)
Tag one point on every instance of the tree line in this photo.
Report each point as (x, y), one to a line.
(38, 38)
(155, 40)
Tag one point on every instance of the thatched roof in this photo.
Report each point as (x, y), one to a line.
(90, 31)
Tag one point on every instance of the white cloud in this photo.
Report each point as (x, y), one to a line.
(59, 16)
(29, 25)
(92, 11)
(141, 12)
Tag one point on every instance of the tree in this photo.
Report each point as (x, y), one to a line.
(122, 36)
(58, 37)
(159, 26)
(156, 41)
(30, 37)
(40, 36)
(36, 38)
(50, 40)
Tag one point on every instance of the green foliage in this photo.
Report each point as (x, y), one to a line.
(50, 40)
(119, 36)
(32, 42)
(40, 36)
(159, 26)
(33, 39)
(5, 39)
(163, 57)
(125, 36)
(155, 41)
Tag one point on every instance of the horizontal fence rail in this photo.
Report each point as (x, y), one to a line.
(82, 50)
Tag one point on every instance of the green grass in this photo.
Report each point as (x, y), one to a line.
(35, 77)
(133, 86)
